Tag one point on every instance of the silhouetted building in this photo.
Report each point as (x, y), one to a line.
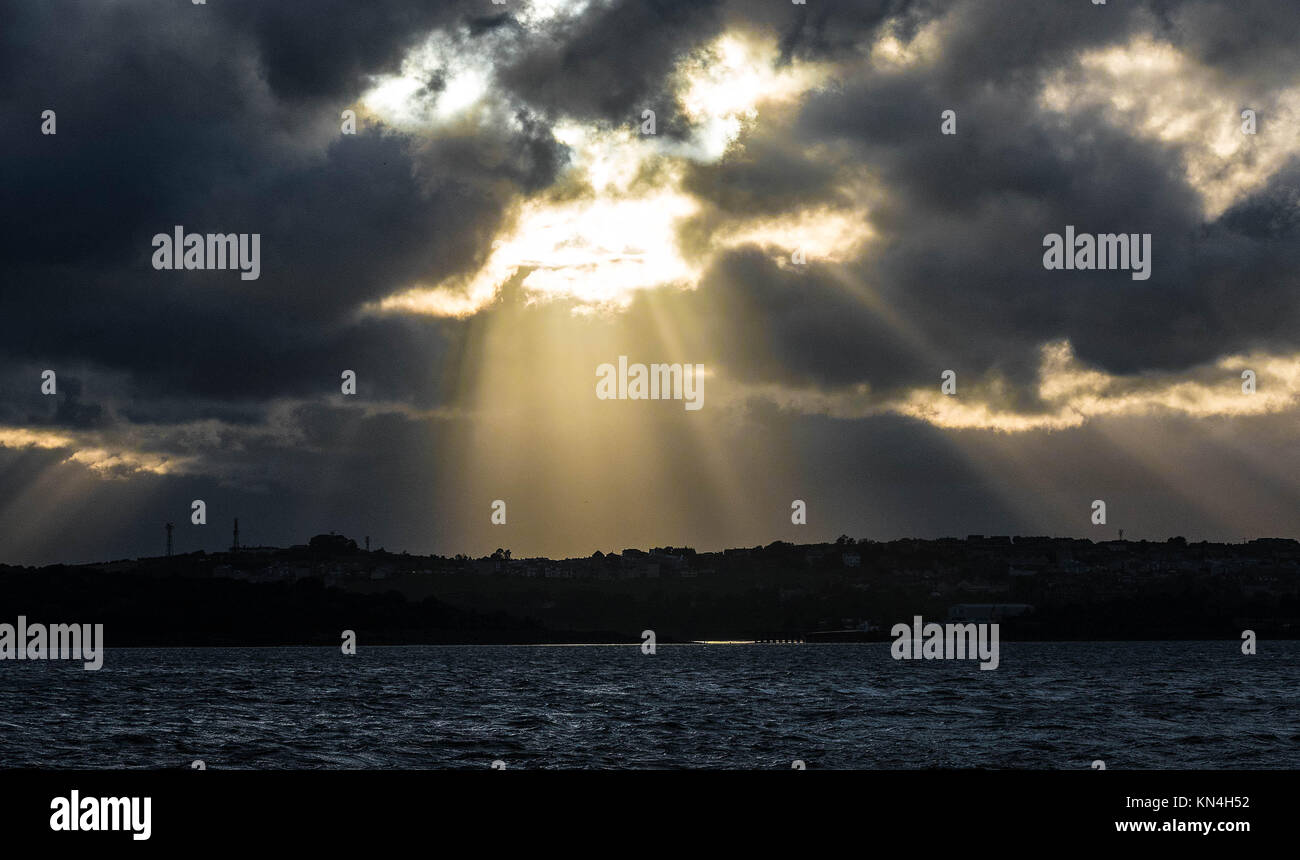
(332, 543)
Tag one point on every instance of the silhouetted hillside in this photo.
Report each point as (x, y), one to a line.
(1038, 588)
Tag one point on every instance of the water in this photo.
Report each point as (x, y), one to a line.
(1049, 705)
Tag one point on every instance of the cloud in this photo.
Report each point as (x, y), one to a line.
(610, 62)
(499, 225)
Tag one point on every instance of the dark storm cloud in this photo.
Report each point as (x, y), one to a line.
(613, 61)
(958, 255)
(1250, 40)
(618, 58)
(960, 220)
(22, 401)
(772, 175)
(831, 28)
(228, 122)
(325, 49)
(226, 119)
(72, 411)
(1007, 43)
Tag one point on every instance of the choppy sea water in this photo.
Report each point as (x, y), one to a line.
(1048, 705)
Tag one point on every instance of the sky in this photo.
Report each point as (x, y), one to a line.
(502, 222)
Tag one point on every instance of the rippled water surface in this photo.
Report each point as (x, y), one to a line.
(1049, 705)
